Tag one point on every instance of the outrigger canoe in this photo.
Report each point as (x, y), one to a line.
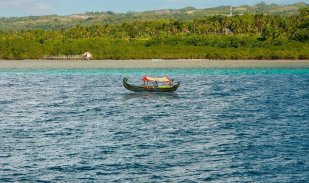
(147, 88)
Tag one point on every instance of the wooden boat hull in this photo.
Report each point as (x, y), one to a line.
(149, 88)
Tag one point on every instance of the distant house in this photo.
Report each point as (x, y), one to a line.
(87, 56)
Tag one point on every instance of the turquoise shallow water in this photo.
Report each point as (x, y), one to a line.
(154, 71)
(222, 125)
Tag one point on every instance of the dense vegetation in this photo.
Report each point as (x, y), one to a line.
(109, 17)
(249, 36)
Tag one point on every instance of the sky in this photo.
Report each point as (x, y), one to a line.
(12, 8)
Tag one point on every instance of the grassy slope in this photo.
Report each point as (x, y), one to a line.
(59, 22)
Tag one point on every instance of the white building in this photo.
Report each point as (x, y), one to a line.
(87, 56)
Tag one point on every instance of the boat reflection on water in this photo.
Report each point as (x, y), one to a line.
(151, 95)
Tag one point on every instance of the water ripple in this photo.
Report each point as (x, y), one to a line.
(220, 126)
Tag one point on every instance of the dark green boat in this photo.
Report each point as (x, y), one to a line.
(147, 88)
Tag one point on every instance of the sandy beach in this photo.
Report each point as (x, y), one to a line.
(160, 64)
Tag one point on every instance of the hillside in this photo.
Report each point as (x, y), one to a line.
(93, 18)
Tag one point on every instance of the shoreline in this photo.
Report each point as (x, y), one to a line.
(154, 63)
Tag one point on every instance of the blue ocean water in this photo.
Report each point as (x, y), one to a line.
(241, 125)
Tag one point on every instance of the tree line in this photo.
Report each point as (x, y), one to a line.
(206, 37)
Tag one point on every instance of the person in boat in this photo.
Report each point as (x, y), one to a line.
(156, 84)
(171, 83)
(154, 81)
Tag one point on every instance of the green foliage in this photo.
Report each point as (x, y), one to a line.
(304, 12)
(177, 47)
(302, 31)
(216, 37)
(52, 22)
